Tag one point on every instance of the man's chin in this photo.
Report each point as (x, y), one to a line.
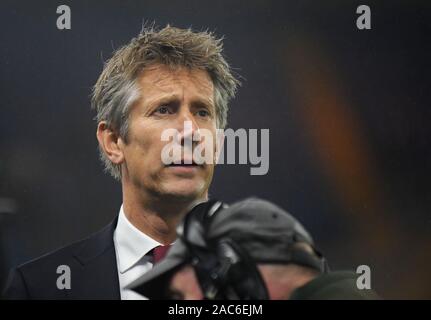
(184, 191)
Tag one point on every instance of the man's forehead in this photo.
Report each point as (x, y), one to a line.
(163, 78)
(182, 275)
(185, 281)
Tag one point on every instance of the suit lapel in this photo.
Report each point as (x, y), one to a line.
(97, 264)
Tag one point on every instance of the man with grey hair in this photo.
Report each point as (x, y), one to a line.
(161, 80)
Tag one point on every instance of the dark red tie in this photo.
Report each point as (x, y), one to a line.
(159, 253)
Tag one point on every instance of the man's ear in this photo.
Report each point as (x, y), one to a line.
(219, 144)
(110, 142)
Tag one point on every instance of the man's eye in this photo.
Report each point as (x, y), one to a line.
(162, 110)
(203, 113)
(175, 295)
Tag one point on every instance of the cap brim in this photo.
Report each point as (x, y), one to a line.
(152, 284)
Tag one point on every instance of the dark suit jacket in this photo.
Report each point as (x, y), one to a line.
(93, 270)
(336, 285)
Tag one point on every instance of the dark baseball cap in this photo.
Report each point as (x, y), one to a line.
(262, 229)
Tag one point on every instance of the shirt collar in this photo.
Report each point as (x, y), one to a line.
(131, 244)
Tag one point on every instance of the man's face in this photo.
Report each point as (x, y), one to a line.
(168, 99)
(184, 285)
(280, 281)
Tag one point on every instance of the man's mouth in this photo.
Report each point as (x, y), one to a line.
(184, 169)
(184, 164)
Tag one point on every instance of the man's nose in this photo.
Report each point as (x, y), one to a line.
(188, 127)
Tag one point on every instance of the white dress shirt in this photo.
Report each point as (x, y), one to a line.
(131, 246)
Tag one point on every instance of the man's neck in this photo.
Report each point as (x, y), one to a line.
(156, 217)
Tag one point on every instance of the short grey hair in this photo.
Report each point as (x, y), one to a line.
(117, 88)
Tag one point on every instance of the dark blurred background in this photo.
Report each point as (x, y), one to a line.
(348, 112)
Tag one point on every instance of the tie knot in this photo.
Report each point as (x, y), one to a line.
(159, 253)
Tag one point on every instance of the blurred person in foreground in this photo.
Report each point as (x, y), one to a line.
(159, 81)
(250, 250)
